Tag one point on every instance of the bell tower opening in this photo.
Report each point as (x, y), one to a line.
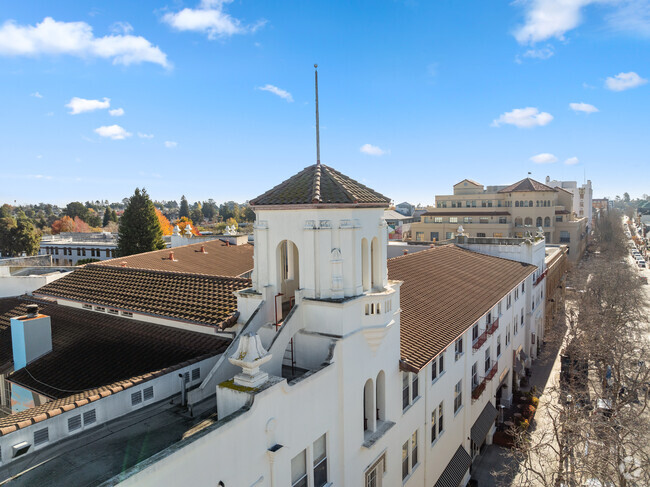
(288, 273)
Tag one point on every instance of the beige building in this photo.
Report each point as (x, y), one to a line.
(505, 212)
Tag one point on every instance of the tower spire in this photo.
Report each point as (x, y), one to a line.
(317, 128)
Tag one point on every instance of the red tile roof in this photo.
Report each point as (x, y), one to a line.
(526, 185)
(321, 185)
(446, 290)
(219, 259)
(193, 298)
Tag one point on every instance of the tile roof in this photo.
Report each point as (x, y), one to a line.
(526, 185)
(466, 213)
(95, 355)
(195, 298)
(321, 185)
(446, 290)
(219, 259)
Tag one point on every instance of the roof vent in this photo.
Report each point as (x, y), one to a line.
(123, 264)
(32, 310)
(404, 252)
(171, 256)
(203, 249)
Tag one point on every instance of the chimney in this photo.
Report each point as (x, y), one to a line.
(171, 256)
(404, 252)
(31, 336)
(123, 264)
(203, 249)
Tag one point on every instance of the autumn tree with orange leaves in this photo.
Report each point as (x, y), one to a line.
(166, 227)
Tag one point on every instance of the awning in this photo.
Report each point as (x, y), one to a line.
(519, 367)
(455, 469)
(483, 424)
(523, 355)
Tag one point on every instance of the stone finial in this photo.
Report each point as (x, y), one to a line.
(250, 356)
(177, 230)
(460, 230)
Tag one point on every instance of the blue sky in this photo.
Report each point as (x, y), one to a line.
(216, 97)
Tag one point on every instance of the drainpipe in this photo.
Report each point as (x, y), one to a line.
(183, 392)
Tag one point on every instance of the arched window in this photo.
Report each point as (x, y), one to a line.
(365, 265)
(547, 222)
(369, 407)
(288, 275)
(528, 221)
(538, 223)
(381, 396)
(376, 264)
(530, 203)
(518, 221)
(517, 204)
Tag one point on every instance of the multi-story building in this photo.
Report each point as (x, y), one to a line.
(505, 212)
(338, 366)
(582, 197)
(67, 248)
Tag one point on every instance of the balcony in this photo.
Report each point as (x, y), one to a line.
(493, 371)
(493, 327)
(478, 390)
(540, 278)
(480, 341)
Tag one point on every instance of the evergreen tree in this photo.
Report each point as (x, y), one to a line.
(107, 216)
(185, 208)
(196, 217)
(114, 216)
(139, 229)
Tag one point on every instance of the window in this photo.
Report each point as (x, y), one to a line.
(509, 301)
(320, 462)
(558, 218)
(434, 426)
(488, 360)
(87, 306)
(414, 449)
(530, 203)
(538, 222)
(437, 219)
(502, 219)
(467, 219)
(419, 236)
(475, 332)
(499, 308)
(440, 417)
(453, 219)
(507, 335)
(375, 472)
(523, 287)
(410, 455)
(299, 470)
(474, 375)
(484, 219)
(458, 348)
(414, 387)
(565, 237)
(516, 204)
(528, 221)
(449, 235)
(522, 318)
(113, 311)
(405, 390)
(127, 314)
(405, 460)
(434, 370)
(480, 235)
(516, 294)
(498, 346)
(434, 237)
(514, 325)
(441, 362)
(458, 396)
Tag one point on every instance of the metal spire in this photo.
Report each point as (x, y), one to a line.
(317, 128)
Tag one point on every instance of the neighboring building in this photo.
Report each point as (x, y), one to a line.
(68, 248)
(557, 265)
(405, 208)
(398, 224)
(505, 212)
(22, 275)
(600, 203)
(582, 197)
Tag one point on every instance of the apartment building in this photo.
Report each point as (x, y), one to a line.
(68, 248)
(505, 212)
(582, 197)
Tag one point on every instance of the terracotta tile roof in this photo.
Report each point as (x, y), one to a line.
(466, 213)
(95, 355)
(219, 259)
(446, 290)
(526, 185)
(195, 298)
(321, 185)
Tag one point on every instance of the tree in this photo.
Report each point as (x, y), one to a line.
(139, 229)
(65, 224)
(626, 197)
(18, 237)
(107, 216)
(182, 225)
(209, 210)
(5, 211)
(248, 214)
(196, 216)
(165, 226)
(185, 208)
(76, 208)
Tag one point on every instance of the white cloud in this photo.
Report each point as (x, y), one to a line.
(372, 150)
(544, 158)
(583, 107)
(145, 136)
(170, 145)
(81, 105)
(277, 91)
(36, 94)
(543, 53)
(624, 81)
(114, 132)
(210, 19)
(523, 118)
(76, 39)
(121, 28)
(572, 161)
(117, 112)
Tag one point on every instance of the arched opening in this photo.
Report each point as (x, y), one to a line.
(288, 273)
(518, 221)
(538, 223)
(369, 421)
(516, 204)
(528, 221)
(381, 396)
(547, 222)
(375, 263)
(365, 265)
(530, 203)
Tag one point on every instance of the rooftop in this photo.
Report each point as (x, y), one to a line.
(93, 355)
(526, 185)
(321, 185)
(446, 290)
(219, 259)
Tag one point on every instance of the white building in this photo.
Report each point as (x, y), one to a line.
(68, 248)
(582, 197)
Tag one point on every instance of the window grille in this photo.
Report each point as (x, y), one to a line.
(136, 398)
(74, 423)
(196, 374)
(148, 393)
(90, 417)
